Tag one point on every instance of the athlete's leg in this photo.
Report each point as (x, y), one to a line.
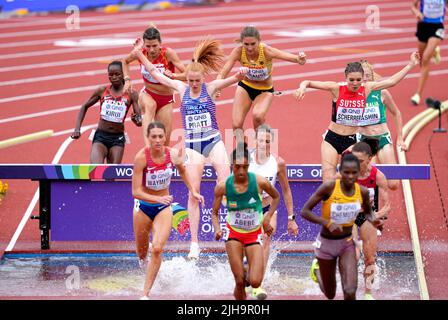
(142, 227)
(349, 274)
(148, 106)
(160, 234)
(369, 239)
(98, 153)
(235, 251)
(428, 53)
(267, 241)
(115, 155)
(195, 169)
(261, 106)
(254, 254)
(386, 155)
(329, 159)
(326, 276)
(220, 161)
(241, 106)
(165, 115)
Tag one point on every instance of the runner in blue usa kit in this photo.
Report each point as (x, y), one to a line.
(430, 15)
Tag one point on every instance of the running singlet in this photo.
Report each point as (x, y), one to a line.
(245, 212)
(375, 111)
(433, 10)
(342, 209)
(161, 63)
(370, 183)
(157, 176)
(259, 70)
(114, 109)
(199, 116)
(348, 110)
(268, 169)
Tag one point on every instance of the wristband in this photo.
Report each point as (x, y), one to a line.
(127, 78)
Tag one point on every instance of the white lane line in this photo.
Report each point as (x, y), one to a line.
(290, 76)
(35, 198)
(193, 20)
(277, 64)
(93, 44)
(223, 102)
(186, 12)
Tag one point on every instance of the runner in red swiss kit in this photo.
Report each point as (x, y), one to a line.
(156, 99)
(349, 100)
(153, 168)
(109, 139)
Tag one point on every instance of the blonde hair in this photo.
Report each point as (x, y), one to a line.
(208, 56)
(366, 64)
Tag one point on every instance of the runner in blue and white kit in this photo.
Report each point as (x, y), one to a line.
(198, 111)
(430, 33)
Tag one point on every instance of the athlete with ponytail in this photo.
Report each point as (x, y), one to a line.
(156, 99)
(348, 106)
(198, 111)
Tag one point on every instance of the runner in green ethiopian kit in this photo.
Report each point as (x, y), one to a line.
(243, 230)
(374, 124)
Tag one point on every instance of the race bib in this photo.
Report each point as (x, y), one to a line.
(245, 220)
(147, 75)
(371, 114)
(257, 74)
(344, 213)
(113, 111)
(159, 180)
(198, 122)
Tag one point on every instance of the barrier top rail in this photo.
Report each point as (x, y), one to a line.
(124, 171)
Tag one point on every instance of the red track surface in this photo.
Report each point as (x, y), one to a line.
(27, 51)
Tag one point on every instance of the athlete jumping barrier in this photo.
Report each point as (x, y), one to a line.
(95, 203)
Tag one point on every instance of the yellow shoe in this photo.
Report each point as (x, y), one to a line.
(436, 56)
(368, 296)
(415, 99)
(314, 267)
(259, 293)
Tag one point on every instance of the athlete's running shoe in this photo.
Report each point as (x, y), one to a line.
(368, 296)
(415, 99)
(259, 293)
(314, 268)
(194, 251)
